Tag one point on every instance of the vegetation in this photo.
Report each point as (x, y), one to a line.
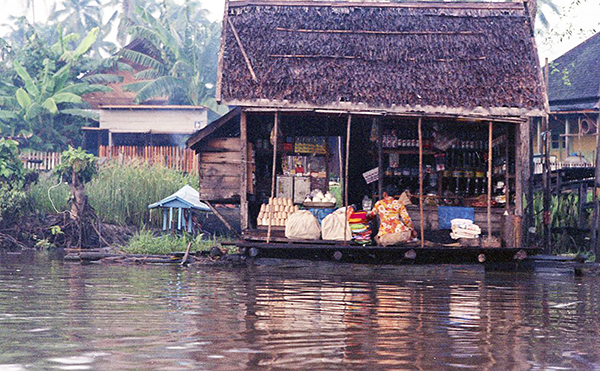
(146, 242)
(46, 68)
(12, 182)
(181, 60)
(119, 193)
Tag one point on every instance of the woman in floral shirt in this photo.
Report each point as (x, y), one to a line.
(395, 225)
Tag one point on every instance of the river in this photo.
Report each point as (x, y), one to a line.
(292, 315)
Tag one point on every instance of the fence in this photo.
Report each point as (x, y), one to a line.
(40, 161)
(181, 159)
(178, 158)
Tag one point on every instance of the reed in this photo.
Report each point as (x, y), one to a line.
(120, 193)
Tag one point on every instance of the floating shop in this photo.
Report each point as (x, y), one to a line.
(436, 98)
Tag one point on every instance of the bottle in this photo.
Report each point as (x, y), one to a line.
(367, 203)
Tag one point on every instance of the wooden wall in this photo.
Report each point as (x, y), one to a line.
(219, 169)
(158, 121)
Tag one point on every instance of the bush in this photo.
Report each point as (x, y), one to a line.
(12, 201)
(145, 242)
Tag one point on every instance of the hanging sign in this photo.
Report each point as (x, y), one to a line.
(371, 175)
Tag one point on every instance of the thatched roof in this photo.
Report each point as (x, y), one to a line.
(574, 83)
(453, 58)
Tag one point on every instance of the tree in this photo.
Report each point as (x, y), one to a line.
(76, 169)
(184, 65)
(45, 103)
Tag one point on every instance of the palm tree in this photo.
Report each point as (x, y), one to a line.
(184, 66)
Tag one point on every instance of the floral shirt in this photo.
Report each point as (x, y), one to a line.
(393, 216)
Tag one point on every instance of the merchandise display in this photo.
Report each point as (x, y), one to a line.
(361, 230)
(282, 209)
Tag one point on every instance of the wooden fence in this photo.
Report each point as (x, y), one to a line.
(40, 161)
(178, 158)
(181, 159)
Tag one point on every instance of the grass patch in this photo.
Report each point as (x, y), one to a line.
(146, 242)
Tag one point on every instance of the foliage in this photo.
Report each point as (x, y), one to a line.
(119, 193)
(181, 59)
(145, 242)
(41, 104)
(12, 201)
(11, 167)
(79, 162)
(48, 196)
(12, 182)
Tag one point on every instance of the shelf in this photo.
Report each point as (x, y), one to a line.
(410, 151)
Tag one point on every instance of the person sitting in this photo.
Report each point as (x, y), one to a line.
(395, 225)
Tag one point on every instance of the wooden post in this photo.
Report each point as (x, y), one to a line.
(274, 174)
(420, 127)
(164, 219)
(594, 239)
(244, 172)
(489, 177)
(507, 174)
(380, 159)
(341, 170)
(170, 218)
(348, 128)
(546, 186)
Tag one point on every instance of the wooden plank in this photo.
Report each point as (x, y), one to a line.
(221, 157)
(220, 181)
(220, 144)
(212, 169)
(243, 171)
(213, 194)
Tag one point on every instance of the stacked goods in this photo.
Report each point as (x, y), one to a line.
(280, 208)
(361, 232)
(464, 228)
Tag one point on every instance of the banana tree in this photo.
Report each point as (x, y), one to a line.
(49, 108)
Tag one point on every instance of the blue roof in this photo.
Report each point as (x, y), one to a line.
(186, 198)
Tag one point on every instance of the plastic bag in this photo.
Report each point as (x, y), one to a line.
(332, 227)
(302, 225)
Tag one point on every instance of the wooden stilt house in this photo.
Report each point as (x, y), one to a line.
(436, 98)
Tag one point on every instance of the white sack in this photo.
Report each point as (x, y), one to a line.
(302, 225)
(332, 227)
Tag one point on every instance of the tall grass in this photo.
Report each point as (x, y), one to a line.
(145, 242)
(120, 193)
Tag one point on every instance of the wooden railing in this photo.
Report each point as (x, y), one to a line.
(40, 161)
(539, 168)
(178, 158)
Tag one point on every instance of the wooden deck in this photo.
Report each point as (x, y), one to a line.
(404, 254)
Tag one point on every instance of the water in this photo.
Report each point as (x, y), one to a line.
(292, 315)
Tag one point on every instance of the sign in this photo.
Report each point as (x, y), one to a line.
(371, 175)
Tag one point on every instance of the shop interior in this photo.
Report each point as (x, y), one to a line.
(313, 169)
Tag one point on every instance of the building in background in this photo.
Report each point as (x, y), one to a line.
(574, 96)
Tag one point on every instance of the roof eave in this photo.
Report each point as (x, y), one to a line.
(490, 113)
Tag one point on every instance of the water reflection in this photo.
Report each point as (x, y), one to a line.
(292, 315)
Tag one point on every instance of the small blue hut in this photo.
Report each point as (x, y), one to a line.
(186, 201)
